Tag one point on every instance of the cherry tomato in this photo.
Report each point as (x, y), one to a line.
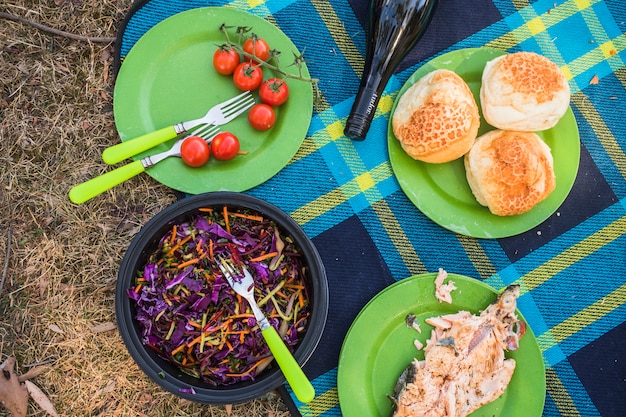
(225, 146)
(258, 47)
(194, 151)
(247, 76)
(261, 116)
(274, 92)
(225, 60)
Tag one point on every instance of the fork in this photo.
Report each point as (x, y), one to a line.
(218, 115)
(97, 185)
(244, 286)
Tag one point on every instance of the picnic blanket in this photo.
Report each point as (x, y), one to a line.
(572, 267)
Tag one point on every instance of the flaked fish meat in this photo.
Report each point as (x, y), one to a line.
(465, 365)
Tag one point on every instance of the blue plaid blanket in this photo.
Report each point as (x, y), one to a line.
(572, 267)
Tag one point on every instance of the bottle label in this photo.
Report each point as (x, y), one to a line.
(371, 106)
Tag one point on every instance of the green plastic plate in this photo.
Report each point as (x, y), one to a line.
(168, 77)
(441, 191)
(379, 346)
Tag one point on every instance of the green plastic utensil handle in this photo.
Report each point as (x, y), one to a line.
(117, 153)
(95, 186)
(298, 381)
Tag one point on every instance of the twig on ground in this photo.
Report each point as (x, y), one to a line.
(94, 39)
(6, 261)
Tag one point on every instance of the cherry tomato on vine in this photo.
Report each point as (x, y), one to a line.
(225, 60)
(274, 92)
(194, 151)
(261, 116)
(258, 47)
(225, 146)
(247, 76)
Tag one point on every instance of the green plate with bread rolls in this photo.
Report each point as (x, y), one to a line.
(441, 191)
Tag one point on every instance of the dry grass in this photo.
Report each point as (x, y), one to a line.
(55, 119)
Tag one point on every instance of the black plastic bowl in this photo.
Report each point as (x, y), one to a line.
(168, 376)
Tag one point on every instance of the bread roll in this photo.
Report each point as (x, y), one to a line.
(510, 171)
(523, 91)
(436, 120)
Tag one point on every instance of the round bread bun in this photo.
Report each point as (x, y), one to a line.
(436, 120)
(510, 171)
(523, 91)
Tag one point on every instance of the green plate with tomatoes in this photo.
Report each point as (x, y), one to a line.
(168, 77)
(441, 191)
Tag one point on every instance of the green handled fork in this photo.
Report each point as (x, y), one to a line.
(96, 186)
(300, 384)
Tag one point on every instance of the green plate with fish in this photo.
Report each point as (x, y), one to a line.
(441, 191)
(379, 346)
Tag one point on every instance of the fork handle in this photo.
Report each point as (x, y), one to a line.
(97, 185)
(117, 153)
(300, 384)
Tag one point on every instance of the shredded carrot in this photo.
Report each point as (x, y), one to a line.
(138, 288)
(206, 209)
(248, 216)
(272, 292)
(179, 244)
(239, 302)
(252, 368)
(300, 299)
(209, 277)
(237, 332)
(173, 237)
(263, 257)
(179, 349)
(226, 219)
(195, 324)
(294, 286)
(211, 257)
(196, 340)
(189, 262)
(302, 319)
(241, 316)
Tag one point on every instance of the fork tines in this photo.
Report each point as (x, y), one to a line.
(206, 132)
(237, 104)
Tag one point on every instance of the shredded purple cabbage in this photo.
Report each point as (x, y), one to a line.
(191, 317)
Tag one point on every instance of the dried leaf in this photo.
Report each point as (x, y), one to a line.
(104, 327)
(56, 329)
(33, 372)
(110, 386)
(594, 80)
(13, 395)
(41, 399)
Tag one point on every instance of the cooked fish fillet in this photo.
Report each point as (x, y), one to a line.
(464, 366)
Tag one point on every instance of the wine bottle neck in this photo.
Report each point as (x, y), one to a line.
(394, 26)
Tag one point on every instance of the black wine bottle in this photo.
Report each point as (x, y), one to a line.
(393, 28)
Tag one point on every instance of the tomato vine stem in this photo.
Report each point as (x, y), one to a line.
(298, 61)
